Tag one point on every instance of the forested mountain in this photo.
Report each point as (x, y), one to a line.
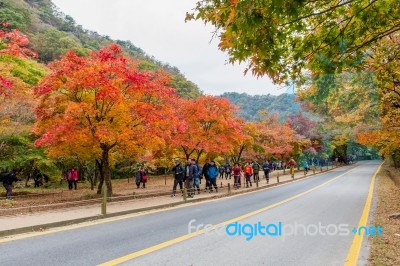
(250, 106)
(52, 33)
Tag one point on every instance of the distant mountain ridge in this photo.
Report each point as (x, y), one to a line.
(52, 33)
(250, 106)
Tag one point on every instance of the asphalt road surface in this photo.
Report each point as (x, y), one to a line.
(307, 222)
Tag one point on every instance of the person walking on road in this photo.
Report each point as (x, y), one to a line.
(179, 172)
(248, 172)
(213, 174)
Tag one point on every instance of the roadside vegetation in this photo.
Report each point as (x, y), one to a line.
(385, 250)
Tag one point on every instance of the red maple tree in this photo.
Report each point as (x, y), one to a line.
(102, 107)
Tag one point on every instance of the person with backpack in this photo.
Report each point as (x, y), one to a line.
(256, 171)
(212, 175)
(266, 170)
(237, 171)
(179, 172)
(248, 172)
(8, 179)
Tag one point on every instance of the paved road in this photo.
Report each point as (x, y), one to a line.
(339, 202)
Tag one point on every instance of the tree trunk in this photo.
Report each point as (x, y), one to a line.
(235, 159)
(106, 171)
(100, 186)
(96, 177)
(199, 153)
(92, 176)
(101, 176)
(187, 153)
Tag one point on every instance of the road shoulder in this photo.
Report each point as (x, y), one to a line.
(385, 250)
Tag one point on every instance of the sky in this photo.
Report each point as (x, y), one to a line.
(158, 27)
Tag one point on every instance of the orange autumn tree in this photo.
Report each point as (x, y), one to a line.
(246, 146)
(101, 106)
(386, 64)
(276, 139)
(206, 125)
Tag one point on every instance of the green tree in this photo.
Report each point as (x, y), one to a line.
(15, 13)
(281, 38)
(52, 44)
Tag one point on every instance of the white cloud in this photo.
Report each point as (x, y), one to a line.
(158, 27)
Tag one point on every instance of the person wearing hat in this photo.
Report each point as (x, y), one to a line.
(179, 172)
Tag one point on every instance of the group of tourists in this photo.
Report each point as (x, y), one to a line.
(72, 178)
(189, 175)
(141, 177)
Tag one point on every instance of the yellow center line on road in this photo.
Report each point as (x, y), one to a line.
(354, 252)
(202, 231)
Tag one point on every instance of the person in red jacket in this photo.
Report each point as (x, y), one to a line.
(75, 177)
(237, 171)
(248, 172)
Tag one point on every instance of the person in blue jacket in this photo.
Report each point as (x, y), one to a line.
(212, 175)
(305, 166)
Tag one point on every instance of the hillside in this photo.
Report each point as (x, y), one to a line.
(250, 106)
(52, 33)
